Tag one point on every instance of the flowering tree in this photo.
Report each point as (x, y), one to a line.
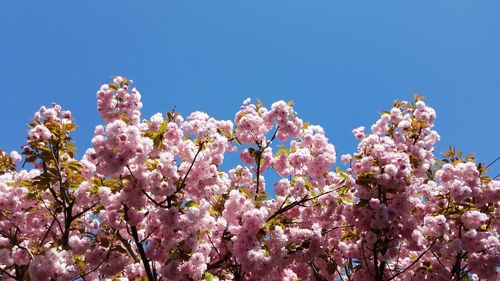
(149, 200)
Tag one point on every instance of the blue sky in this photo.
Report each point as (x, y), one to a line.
(341, 62)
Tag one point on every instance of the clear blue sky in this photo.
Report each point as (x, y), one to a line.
(340, 61)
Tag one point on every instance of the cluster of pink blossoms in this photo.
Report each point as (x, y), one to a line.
(150, 201)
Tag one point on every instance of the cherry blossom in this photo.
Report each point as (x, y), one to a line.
(150, 199)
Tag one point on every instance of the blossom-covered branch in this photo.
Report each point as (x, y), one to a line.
(151, 199)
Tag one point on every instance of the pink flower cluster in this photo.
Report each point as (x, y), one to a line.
(117, 146)
(153, 199)
(114, 101)
(253, 122)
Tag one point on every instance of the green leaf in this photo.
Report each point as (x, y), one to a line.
(45, 148)
(163, 127)
(262, 197)
(71, 149)
(191, 203)
(259, 104)
(345, 199)
(31, 158)
(282, 151)
(343, 190)
(418, 97)
(70, 127)
(246, 191)
(208, 276)
(268, 224)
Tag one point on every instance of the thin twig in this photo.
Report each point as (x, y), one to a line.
(158, 204)
(183, 183)
(278, 172)
(259, 158)
(317, 275)
(498, 158)
(84, 211)
(437, 258)
(365, 260)
(189, 170)
(149, 234)
(8, 274)
(288, 207)
(414, 262)
(108, 253)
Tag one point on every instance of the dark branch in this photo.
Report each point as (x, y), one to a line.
(414, 262)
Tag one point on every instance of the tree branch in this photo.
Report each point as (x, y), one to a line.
(414, 262)
(140, 248)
